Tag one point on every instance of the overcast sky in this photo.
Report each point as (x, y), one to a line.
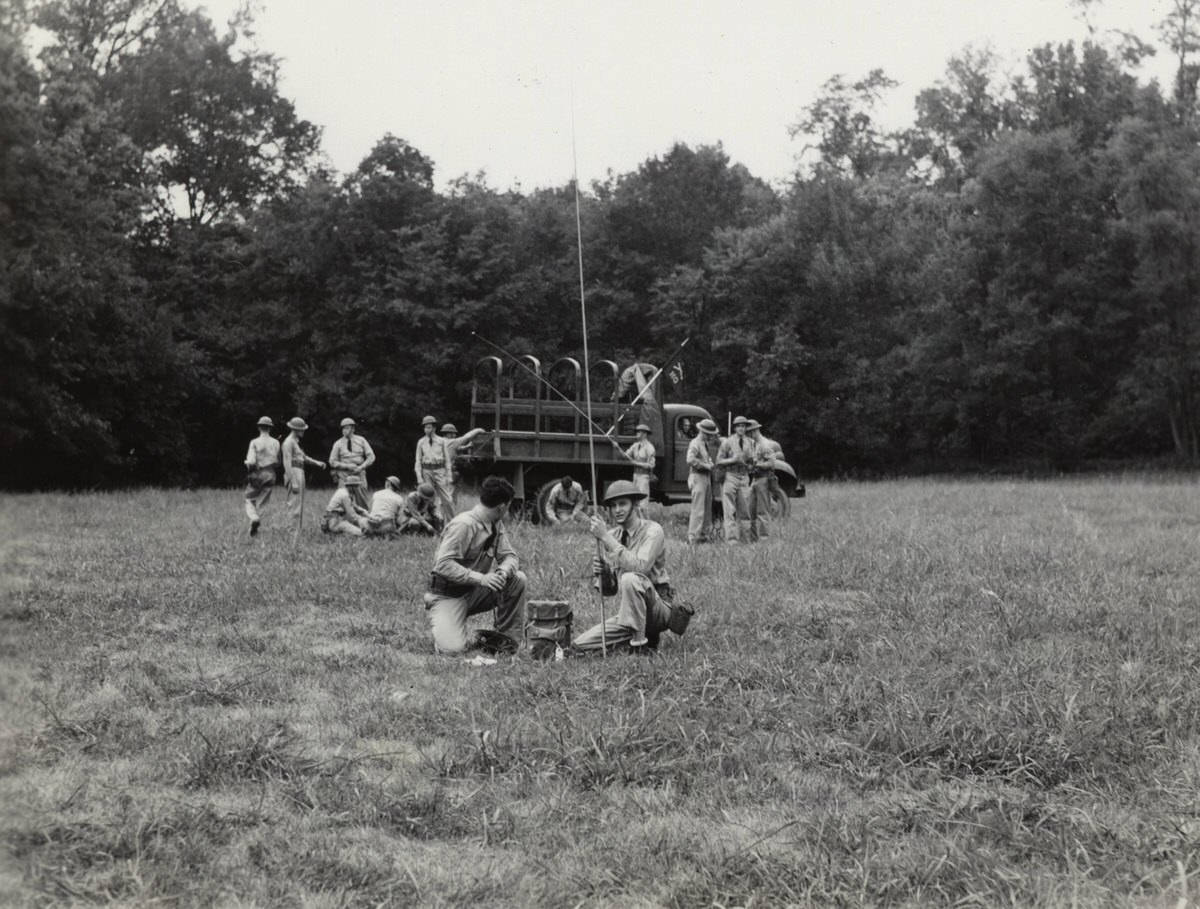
(503, 87)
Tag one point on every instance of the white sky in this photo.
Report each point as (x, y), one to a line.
(500, 86)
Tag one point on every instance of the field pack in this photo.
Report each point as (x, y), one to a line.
(547, 627)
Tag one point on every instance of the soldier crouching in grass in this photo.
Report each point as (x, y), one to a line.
(476, 570)
(634, 568)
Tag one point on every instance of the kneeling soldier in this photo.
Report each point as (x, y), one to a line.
(635, 559)
(418, 515)
(386, 506)
(476, 569)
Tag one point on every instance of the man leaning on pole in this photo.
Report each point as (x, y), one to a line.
(294, 462)
(700, 467)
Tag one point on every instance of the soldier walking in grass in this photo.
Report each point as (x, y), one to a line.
(641, 455)
(565, 503)
(735, 457)
(700, 467)
(476, 569)
(294, 462)
(349, 460)
(262, 461)
(634, 569)
(433, 467)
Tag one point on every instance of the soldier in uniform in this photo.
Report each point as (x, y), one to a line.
(294, 461)
(349, 459)
(262, 460)
(343, 515)
(386, 507)
(418, 515)
(565, 502)
(635, 562)
(641, 455)
(476, 570)
(700, 466)
(433, 467)
(735, 457)
(458, 447)
(762, 472)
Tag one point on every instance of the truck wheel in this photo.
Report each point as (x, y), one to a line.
(539, 502)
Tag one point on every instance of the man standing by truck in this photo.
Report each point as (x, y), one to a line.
(433, 467)
(565, 502)
(762, 472)
(641, 456)
(458, 447)
(734, 457)
(700, 466)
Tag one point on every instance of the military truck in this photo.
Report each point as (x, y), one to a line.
(537, 419)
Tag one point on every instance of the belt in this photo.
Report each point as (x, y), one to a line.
(442, 587)
(432, 465)
(739, 469)
(764, 472)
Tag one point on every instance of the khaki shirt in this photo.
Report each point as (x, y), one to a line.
(641, 452)
(738, 447)
(562, 500)
(386, 505)
(342, 505)
(263, 453)
(644, 552)
(698, 458)
(460, 554)
(432, 450)
(293, 454)
(348, 453)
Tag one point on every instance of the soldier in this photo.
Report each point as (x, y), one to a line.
(476, 570)
(700, 466)
(418, 515)
(565, 502)
(762, 472)
(262, 460)
(641, 455)
(458, 446)
(342, 515)
(734, 457)
(294, 461)
(433, 467)
(349, 459)
(635, 567)
(386, 507)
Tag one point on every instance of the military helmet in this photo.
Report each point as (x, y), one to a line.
(738, 420)
(297, 424)
(426, 490)
(641, 427)
(448, 427)
(265, 421)
(348, 422)
(752, 425)
(708, 426)
(622, 489)
(393, 482)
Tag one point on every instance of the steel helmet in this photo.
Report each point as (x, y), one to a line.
(297, 424)
(449, 427)
(622, 489)
(265, 421)
(429, 420)
(348, 422)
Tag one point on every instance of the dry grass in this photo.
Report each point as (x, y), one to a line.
(916, 694)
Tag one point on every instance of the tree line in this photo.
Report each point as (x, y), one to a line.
(1011, 281)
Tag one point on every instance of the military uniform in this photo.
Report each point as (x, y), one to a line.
(387, 504)
(433, 467)
(262, 461)
(418, 514)
(294, 462)
(700, 467)
(565, 504)
(736, 488)
(762, 472)
(349, 460)
(642, 454)
(343, 516)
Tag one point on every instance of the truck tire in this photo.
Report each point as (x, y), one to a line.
(781, 505)
(539, 501)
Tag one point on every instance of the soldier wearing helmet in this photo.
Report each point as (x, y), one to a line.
(433, 466)
(262, 460)
(700, 466)
(634, 568)
(418, 515)
(349, 460)
(458, 446)
(386, 507)
(294, 462)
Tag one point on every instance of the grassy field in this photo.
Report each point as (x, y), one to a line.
(915, 694)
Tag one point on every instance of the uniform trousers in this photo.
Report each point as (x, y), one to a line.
(641, 482)
(439, 479)
(700, 517)
(448, 615)
(259, 485)
(641, 616)
(760, 508)
(295, 490)
(734, 495)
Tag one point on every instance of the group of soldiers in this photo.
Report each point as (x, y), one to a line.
(352, 510)
(741, 468)
(477, 569)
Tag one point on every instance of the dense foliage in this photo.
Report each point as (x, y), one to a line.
(1011, 281)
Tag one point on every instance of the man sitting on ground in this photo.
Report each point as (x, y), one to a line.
(386, 506)
(476, 570)
(635, 558)
(344, 515)
(419, 515)
(565, 502)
